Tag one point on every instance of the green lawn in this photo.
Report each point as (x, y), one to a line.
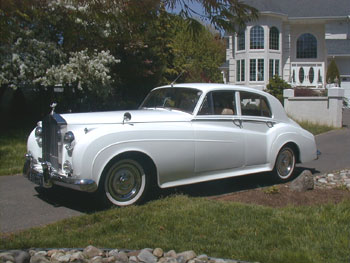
(315, 128)
(219, 229)
(12, 150)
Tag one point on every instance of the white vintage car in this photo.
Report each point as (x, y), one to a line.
(181, 134)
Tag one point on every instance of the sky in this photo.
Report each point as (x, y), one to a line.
(194, 5)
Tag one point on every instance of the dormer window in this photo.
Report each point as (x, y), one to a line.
(257, 37)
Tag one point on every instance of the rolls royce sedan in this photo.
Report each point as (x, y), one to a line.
(181, 134)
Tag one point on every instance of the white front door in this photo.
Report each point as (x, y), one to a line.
(308, 74)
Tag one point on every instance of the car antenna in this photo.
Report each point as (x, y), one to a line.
(172, 83)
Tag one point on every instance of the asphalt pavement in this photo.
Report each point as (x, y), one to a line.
(23, 205)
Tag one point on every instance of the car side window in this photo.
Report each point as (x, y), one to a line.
(219, 103)
(254, 105)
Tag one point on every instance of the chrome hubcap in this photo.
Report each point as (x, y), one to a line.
(285, 163)
(124, 181)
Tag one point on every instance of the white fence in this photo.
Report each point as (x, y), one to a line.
(318, 110)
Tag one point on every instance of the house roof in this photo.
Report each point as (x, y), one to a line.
(338, 47)
(303, 8)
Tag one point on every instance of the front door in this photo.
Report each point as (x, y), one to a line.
(219, 142)
(307, 74)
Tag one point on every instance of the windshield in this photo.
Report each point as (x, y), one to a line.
(183, 99)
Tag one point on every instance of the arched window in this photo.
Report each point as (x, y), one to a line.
(307, 46)
(274, 38)
(241, 40)
(257, 37)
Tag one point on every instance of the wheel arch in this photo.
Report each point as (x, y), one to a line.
(295, 149)
(145, 160)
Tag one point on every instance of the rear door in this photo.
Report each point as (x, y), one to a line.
(256, 124)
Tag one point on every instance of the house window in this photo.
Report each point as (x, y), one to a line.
(274, 66)
(241, 40)
(256, 69)
(301, 75)
(252, 70)
(260, 70)
(274, 38)
(240, 70)
(307, 46)
(257, 37)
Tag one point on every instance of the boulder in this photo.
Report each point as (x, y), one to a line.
(304, 182)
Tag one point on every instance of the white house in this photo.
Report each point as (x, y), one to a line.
(293, 39)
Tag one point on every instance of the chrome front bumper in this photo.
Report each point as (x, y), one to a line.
(44, 175)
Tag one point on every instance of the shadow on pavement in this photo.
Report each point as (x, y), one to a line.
(75, 200)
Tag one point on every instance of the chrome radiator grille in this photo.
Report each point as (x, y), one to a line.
(52, 145)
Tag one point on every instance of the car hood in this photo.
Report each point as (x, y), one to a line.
(137, 116)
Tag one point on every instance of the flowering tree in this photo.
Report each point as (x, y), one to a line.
(75, 43)
(26, 60)
(87, 72)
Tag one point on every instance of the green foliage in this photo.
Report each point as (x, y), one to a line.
(276, 86)
(12, 151)
(332, 75)
(272, 190)
(188, 55)
(229, 15)
(221, 229)
(154, 46)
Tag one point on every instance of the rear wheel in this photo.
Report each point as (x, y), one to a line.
(125, 182)
(285, 164)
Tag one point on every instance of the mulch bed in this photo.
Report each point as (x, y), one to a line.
(282, 196)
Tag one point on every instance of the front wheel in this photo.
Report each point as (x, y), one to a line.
(285, 164)
(125, 182)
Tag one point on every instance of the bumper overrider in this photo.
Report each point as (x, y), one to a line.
(44, 175)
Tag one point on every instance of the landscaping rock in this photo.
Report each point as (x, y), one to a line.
(170, 254)
(39, 259)
(158, 252)
(146, 256)
(77, 256)
(133, 259)
(21, 256)
(92, 254)
(187, 255)
(304, 182)
(92, 251)
(340, 179)
(122, 257)
(7, 256)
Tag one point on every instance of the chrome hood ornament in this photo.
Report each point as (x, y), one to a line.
(53, 106)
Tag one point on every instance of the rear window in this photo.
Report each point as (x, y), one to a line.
(254, 105)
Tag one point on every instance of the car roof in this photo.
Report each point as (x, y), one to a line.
(277, 108)
(205, 87)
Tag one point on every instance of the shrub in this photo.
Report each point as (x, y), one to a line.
(276, 86)
(332, 75)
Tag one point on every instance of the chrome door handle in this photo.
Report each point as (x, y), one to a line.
(238, 123)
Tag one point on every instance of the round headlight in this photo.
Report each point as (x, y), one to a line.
(38, 132)
(68, 137)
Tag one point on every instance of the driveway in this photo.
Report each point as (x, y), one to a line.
(23, 205)
(334, 147)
